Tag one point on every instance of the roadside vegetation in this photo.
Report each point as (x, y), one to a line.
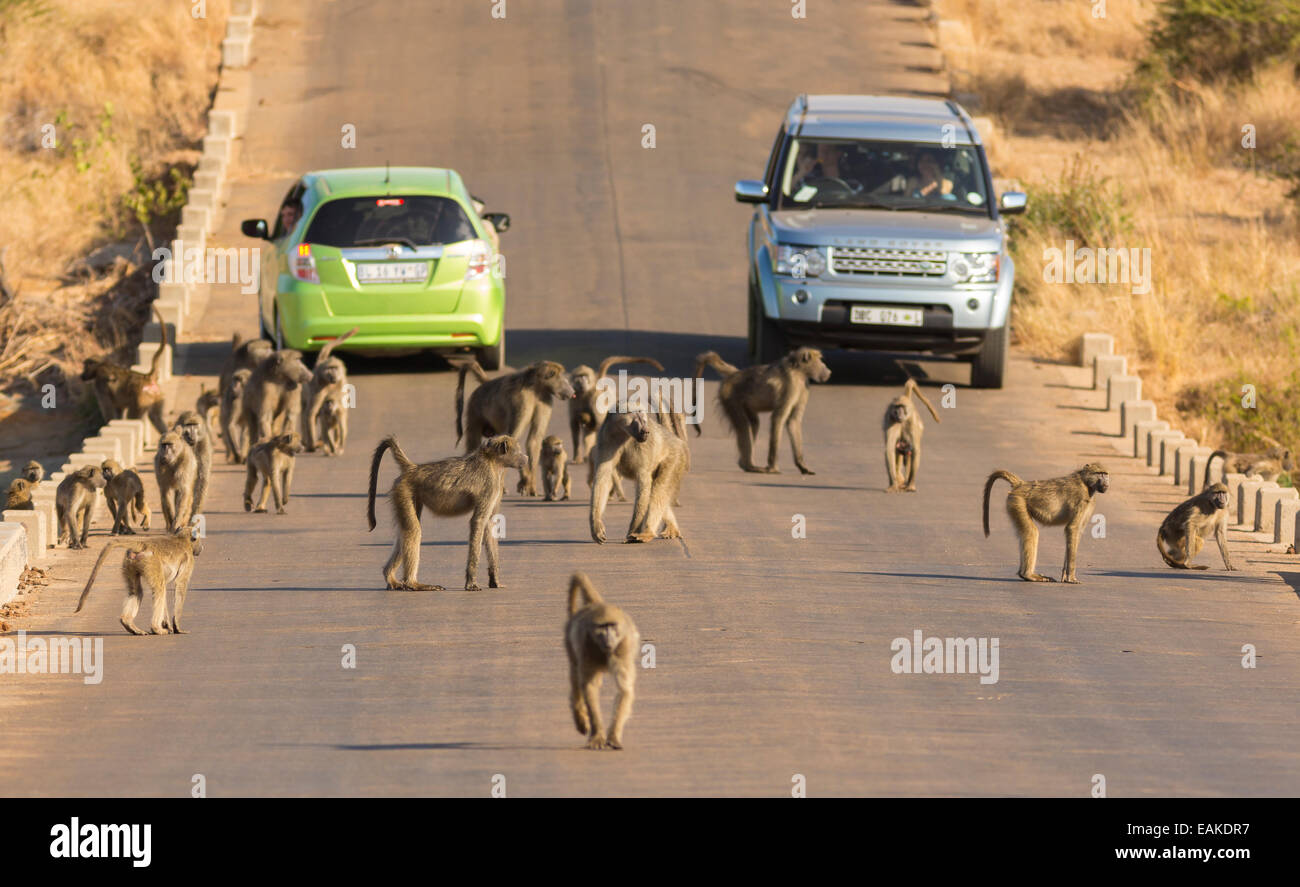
(1171, 126)
(102, 103)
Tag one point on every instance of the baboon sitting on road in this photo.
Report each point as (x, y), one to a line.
(1183, 532)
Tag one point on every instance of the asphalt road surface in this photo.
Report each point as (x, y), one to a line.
(772, 654)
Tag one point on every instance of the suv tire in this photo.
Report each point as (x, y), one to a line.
(766, 342)
(990, 365)
(493, 357)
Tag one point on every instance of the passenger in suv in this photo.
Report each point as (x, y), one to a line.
(875, 228)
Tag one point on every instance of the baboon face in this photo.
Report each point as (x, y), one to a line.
(169, 447)
(899, 411)
(555, 380)
(607, 635)
(290, 443)
(638, 425)
(809, 362)
(552, 446)
(1095, 477)
(330, 408)
(506, 450)
(94, 474)
(290, 369)
(34, 472)
(1218, 494)
(190, 427)
(89, 369)
(331, 372)
(583, 379)
(111, 469)
(238, 380)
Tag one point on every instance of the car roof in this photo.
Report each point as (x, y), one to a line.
(368, 181)
(889, 118)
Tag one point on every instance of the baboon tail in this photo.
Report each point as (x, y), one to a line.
(913, 388)
(610, 361)
(99, 562)
(988, 488)
(590, 595)
(388, 443)
(324, 354)
(712, 359)
(469, 366)
(1210, 461)
(157, 358)
(235, 341)
(1164, 552)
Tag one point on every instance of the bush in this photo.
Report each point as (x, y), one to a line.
(1081, 206)
(1211, 39)
(1275, 414)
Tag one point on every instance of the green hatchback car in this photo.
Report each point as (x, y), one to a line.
(402, 254)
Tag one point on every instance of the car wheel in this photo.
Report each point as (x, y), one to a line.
(493, 357)
(766, 342)
(990, 365)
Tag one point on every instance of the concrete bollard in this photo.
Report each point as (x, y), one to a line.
(1107, 365)
(1120, 389)
(1184, 475)
(1284, 520)
(147, 351)
(1196, 470)
(1169, 455)
(209, 182)
(14, 558)
(1248, 495)
(38, 531)
(1131, 412)
(133, 429)
(109, 447)
(1142, 437)
(244, 7)
(196, 215)
(221, 123)
(236, 52)
(1266, 502)
(1094, 345)
(1155, 445)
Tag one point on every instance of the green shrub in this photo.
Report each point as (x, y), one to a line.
(1209, 39)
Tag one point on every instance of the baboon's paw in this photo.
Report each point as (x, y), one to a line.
(130, 627)
(1036, 577)
(910, 488)
(157, 629)
(473, 586)
(616, 744)
(260, 511)
(281, 510)
(671, 533)
(806, 470)
(596, 743)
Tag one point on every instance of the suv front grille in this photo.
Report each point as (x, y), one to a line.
(893, 262)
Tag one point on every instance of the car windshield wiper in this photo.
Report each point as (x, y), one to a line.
(381, 241)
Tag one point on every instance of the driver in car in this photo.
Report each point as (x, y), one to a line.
(819, 160)
(928, 181)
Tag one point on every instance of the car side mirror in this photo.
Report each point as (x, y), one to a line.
(751, 191)
(255, 228)
(500, 221)
(1012, 202)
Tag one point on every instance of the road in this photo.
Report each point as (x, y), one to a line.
(772, 653)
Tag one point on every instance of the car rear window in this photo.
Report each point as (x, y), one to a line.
(368, 221)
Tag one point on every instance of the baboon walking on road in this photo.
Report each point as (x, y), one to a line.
(903, 430)
(471, 484)
(586, 409)
(599, 638)
(153, 562)
(1060, 501)
(74, 502)
(328, 378)
(780, 388)
(641, 449)
(125, 496)
(1183, 532)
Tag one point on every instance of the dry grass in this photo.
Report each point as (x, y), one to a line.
(120, 81)
(1224, 305)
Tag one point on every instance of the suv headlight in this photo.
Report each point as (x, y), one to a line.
(800, 261)
(974, 267)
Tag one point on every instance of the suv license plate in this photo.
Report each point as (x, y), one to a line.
(888, 316)
(392, 272)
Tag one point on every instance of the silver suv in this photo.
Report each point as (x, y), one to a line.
(874, 228)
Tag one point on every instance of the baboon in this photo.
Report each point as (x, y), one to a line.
(470, 484)
(1268, 466)
(20, 495)
(273, 461)
(123, 393)
(233, 418)
(125, 494)
(1060, 501)
(903, 429)
(599, 638)
(244, 356)
(74, 503)
(517, 404)
(208, 405)
(194, 431)
(176, 470)
(153, 562)
(34, 472)
(587, 409)
(271, 401)
(555, 469)
(780, 388)
(328, 378)
(332, 420)
(1184, 530)
(639, 448)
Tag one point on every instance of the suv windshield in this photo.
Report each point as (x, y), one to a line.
(862, 174)
(370, 221)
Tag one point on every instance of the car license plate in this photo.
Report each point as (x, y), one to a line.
(392, 272)
(888, 316)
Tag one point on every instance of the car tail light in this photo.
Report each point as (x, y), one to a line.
(303, 265)
(480, 260)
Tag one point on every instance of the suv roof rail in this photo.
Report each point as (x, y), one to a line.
(796, 113)
(960, 113)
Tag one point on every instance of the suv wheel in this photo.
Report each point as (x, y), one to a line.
(493, 357)
(989, 366)
(766, 343)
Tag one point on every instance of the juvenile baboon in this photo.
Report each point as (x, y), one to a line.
(332, 422)
(208, 405)
(153, 562)
(34, 472)
(125, 495)
(1269, 465)
(555, 469)
(19, 497)
(471, 484)
(1184, 530)
(236, 425)
(517, 404)
(176, 470)
(272, 402)
(194, 431)
(903, 429)
(587, 408)
(1060, 501)
(599, 638)
(328, 378)
(123, 393)
(639, 448)
(272, 460)
(780, 388)
(74, 503)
